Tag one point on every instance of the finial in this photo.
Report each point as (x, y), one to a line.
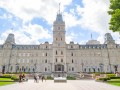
(12, 30)
(91, 36)
(59, 8)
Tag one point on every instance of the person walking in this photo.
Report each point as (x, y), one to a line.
(45, 78)
(20, 78)
(35, 78)
(42, 78)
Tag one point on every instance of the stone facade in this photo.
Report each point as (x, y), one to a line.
(59, 56)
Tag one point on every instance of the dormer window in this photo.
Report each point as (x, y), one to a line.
(58, 28)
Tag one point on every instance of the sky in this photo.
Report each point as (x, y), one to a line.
(31, 21)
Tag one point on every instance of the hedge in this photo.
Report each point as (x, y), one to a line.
(71, 78)
(114, 77)
(102, 79)
(110, 75)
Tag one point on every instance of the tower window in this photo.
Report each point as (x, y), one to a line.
(61, 60)
(56, 52)
(61, 52)
(56, 39)
(61, 39)
(58, 28)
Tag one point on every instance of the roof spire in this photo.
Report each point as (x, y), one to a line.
(59, 8)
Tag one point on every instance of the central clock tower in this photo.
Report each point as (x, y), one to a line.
(59, 46)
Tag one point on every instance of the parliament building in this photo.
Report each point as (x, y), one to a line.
(60, 57)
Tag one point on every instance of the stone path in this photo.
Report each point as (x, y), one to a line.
(70, 85)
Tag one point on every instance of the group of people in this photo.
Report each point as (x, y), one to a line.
(21, 77)
(37, 77)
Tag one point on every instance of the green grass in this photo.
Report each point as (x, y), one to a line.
(114, 82)
(3, 81)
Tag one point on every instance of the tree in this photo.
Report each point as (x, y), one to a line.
(114, 11)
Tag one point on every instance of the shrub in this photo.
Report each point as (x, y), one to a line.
(6, 76)
(49, 78)
(15, 78)
(71, 78)
(110, 75)
(96, 74)
(103, 79)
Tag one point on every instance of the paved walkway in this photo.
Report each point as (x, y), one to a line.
(70, 85)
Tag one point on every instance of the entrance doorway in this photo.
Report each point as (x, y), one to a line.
(59, 67)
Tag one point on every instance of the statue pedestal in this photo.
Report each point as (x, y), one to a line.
(60, 79)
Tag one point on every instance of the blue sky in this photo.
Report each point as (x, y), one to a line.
(32, 20)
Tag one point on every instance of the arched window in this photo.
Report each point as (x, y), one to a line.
(84, 69)
(46, 54)
(61, 39)
(72, 68)
(46, 61)
(61, 60)
(45, 69)
(72, 61)
(71, 54)
(56, 59)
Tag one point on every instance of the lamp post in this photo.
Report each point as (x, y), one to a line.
(82, 65)
(51, 67)
(17, 67)
(35, 67)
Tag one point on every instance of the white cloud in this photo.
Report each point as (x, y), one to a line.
(101, 38)
(70, 37)
(28, 9)
(34, 34)
(94, 15)
(70, 20)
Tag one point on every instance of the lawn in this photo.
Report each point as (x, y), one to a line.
(114, 82)
(2, 83)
